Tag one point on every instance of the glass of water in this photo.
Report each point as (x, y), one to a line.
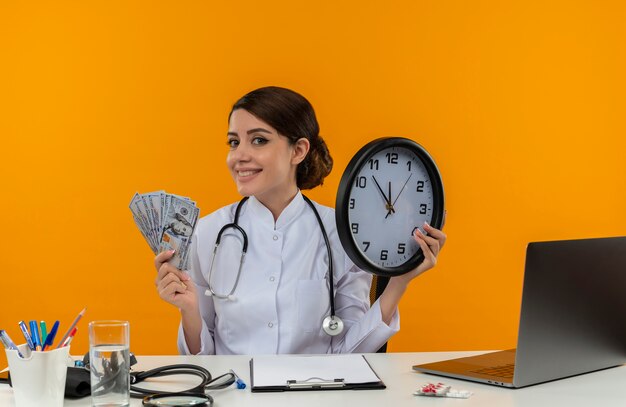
(109, 360)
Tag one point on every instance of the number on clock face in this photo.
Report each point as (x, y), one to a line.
(390, 197)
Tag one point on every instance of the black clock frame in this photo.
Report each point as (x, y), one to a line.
(343, 201)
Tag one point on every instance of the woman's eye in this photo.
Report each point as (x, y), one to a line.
(232, 143)
(259, 140)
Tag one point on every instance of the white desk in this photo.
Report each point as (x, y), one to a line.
(602, 388)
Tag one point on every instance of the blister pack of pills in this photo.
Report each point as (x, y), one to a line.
(441, 390)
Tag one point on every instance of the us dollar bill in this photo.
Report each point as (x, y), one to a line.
(167, 222)
(140, 216)
(178, 226)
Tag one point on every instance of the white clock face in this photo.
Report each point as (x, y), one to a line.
(389, 198)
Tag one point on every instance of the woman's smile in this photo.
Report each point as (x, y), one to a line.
(247, 173)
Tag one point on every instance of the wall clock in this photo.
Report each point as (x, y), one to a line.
(390, 187)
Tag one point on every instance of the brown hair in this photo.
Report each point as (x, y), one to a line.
(293, 117)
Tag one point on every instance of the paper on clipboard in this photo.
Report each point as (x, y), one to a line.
(277, 371)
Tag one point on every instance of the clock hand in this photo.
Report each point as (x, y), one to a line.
(387, 200)
(399, 193)
(390, 208)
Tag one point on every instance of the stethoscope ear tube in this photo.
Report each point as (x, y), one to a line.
(230, 296)
(207, 382)
(332, 324)
(169, 370)
(228, 226)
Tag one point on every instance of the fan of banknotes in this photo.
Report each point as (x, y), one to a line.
(167, 222)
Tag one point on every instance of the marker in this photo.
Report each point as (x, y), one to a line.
(34, 334)
(69, 331)
(240, 383)
(51, 335)
(29, 340)
(44, 332)
(8, 343)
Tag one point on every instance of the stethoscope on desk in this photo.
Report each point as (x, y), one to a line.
(194, 396)
(332, 324)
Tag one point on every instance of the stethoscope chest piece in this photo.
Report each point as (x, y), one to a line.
(178, 399)
(332, 325)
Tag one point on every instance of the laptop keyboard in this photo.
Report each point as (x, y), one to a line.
(505, 371)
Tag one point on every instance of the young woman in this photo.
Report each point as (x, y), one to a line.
(275, 298)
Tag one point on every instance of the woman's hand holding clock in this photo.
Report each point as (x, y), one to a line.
(431, 244)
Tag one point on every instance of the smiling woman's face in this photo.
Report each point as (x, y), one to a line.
(261, 161)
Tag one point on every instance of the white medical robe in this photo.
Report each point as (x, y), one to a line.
(282, 295)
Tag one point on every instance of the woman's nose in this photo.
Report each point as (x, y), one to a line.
(241, 153)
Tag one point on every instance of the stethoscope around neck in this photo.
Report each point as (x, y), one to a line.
(332, 324)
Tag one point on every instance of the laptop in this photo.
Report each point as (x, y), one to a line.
(572, 320)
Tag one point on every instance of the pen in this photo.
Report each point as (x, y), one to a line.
(44, 332)
(78, 317)
(29, 340)
(51, 335)
(240, 383)
(8, 343)
(34, 334)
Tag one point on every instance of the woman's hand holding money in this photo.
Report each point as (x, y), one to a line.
(175, 286)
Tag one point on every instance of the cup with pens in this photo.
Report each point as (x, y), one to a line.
(38, 368)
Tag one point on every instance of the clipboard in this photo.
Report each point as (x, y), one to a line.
(312, 372)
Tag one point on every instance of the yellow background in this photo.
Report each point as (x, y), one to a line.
(520, 103)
